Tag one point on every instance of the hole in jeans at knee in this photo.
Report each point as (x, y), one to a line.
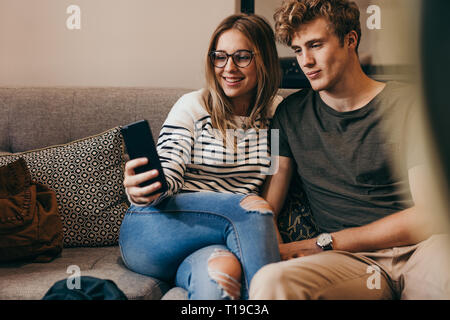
(256, 203)
(225, 269)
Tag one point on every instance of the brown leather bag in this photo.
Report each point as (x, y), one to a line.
(30, 224)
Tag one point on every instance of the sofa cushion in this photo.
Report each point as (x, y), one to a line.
(33, 114)
(35, 118)
(295, 220)
(31, 281)
(176, 293)
(87, 176)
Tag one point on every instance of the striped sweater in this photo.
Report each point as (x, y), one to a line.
(194, 157)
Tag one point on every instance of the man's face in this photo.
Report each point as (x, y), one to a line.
(320, 55)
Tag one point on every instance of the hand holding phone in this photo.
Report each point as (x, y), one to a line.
(133, 182)
(143, 173)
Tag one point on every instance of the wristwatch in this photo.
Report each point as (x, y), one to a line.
(325, 241)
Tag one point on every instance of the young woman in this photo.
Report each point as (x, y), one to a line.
(211, 220)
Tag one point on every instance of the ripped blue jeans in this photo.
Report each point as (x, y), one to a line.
(173, 240)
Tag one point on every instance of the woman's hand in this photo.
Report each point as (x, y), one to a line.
(298, 249)
(132, 181)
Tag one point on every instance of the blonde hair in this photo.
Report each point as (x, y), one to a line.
(261, 36)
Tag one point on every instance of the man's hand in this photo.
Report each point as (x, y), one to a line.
(298, 249)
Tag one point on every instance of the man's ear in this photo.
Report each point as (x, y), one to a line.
(352, 39)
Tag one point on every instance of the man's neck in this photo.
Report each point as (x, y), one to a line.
(353, 92)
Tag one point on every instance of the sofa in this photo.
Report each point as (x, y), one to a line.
(70, 139)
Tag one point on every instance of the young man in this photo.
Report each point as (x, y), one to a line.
(375, 242)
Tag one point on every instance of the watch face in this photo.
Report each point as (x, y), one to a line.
(324, 239)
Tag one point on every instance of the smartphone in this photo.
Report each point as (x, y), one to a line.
(139, 144)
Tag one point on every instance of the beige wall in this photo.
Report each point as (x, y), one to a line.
(389, 45)
(397, 40)
(266, 8)
(148, 42)
(120, 43)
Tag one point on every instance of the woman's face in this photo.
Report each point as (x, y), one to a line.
(237, 83)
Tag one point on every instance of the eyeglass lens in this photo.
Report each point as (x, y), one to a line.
(241, 58)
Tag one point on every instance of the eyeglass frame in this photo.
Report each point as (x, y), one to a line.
(252, 54)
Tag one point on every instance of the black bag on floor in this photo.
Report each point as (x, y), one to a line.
(90, 288)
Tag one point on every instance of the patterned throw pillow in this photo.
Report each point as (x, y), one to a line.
(87, 177)
(295, 221)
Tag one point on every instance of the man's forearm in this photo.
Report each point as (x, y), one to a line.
(403, 228)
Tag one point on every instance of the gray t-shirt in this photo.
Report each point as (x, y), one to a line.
(345, 159)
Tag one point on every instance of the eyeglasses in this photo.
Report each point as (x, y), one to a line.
(241, 58)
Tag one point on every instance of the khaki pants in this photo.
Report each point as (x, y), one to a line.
(420, 271)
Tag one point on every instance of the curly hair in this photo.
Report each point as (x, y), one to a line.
(343, 16)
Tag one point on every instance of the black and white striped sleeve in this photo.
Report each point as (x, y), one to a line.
(174, 145)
